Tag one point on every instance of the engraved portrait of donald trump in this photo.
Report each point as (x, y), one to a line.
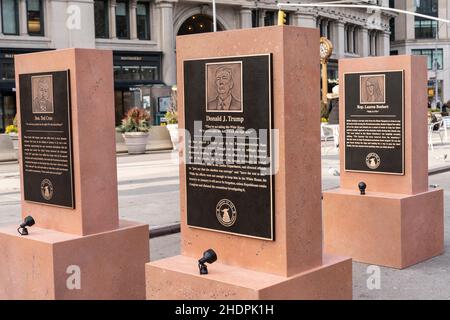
(224, 87)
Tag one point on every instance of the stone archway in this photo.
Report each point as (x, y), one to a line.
(198, 23)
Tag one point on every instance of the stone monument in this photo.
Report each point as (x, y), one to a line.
(78, 249)
(395, 220)
(261, 216)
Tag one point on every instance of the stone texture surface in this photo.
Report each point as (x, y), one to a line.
(388, 229)
(178, 278)
(291, 266)
(109, 253)
(399, 222)
(298, 223)
(111, 263)
(93, 140)
(415, 179)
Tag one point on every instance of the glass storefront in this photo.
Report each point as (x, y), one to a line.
(7, 110)
(137, 83)
(7, 85)
(431, 91)
(153, 98)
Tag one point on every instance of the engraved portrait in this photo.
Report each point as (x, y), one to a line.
(224, 87)
(372, 89)
(42, 94)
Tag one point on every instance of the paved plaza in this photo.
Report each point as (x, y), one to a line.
(149, 192)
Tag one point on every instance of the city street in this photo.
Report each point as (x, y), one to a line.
(149, 192)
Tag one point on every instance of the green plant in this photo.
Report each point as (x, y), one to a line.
(323, 110)
(323, 119)
(11, 129)
(136, 120)
(171, 117)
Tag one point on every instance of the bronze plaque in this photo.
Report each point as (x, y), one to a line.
(374, 122)
(228, 115)
(47, 170)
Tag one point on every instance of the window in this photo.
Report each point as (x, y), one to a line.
(373, 45)
(35, 18)
(143, 21)
(255, 18)
(433, 56)
(350, 39)
(288, 18)
(149, 73)
(101, 18)
(7, 70)
(325, 28)
(269, 18)
(428, 7)
(10, 17)
(347, 39)
(424, 28)
(136, 73)
(329, 35)
(122, 20)
(392, 29)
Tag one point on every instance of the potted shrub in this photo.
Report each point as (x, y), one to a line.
(12, 131)
(172, 126)
(172, 118)
(134, 128)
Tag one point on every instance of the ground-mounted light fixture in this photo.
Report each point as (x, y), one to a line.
(27, 222)
(362, 187)
(209, 256)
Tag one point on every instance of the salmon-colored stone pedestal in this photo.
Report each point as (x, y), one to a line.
(178, 278)
(399, 221)
(40, 266)
(85, 252)
(292, 266)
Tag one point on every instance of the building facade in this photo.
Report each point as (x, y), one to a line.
(415, 35)
(142, 33)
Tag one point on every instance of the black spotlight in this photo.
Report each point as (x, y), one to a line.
(208, 256)
(362, 187)
(27, 222)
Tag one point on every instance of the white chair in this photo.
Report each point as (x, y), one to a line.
(433, 129)
(446, 125)
(326, 134)
(330, 132)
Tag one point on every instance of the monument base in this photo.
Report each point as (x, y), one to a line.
(387, 229)
(48, 264)
(178, 278)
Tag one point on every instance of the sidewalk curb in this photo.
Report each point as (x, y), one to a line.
(164, 230)
(438, 170)
(175, 227)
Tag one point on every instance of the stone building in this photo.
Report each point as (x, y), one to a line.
(142, 35)
(415, 35)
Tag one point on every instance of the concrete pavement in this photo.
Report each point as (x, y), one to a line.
(149, 192)
(425, 281)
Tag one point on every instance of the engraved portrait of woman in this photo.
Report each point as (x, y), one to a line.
(372, 89)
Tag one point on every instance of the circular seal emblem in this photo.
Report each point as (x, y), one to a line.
(226, 212)
(373, 160)
(46, 189)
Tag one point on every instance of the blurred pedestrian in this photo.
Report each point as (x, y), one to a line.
(333, 106)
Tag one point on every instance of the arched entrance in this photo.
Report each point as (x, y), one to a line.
(198, 23)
